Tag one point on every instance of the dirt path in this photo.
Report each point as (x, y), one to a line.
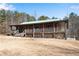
(26, 46)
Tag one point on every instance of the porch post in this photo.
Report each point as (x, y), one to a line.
(25, 31)
(54, 29)
(43, 31)
(65, 28)
(33, 31)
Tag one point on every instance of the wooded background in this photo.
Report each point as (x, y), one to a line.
(8, 17)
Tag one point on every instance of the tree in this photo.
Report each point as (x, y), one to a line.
(72, 14)
(2, 15)
(2, 19)
(43, 18)
(31, 18)
(23, 17)
(73, 24)
(54, 18)
(16, 17)
(8, 17)
(65, 18)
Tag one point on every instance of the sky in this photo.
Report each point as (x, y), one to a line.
(58, 10)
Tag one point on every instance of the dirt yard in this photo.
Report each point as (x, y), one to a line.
(37, 47)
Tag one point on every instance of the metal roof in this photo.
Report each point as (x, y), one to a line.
(41, 21)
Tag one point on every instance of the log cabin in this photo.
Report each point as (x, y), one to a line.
(51, 28)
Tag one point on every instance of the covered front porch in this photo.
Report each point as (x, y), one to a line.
(42, 30)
